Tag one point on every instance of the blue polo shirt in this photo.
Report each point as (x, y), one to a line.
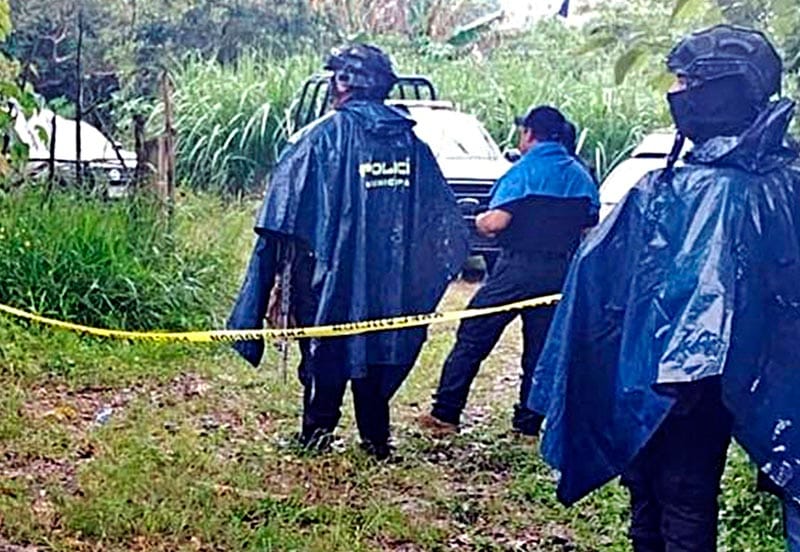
(551, 198)
(549, 170)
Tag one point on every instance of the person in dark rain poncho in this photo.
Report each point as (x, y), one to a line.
(361, 211)
(681, 313)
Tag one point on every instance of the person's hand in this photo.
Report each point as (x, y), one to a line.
(480, 225)
(491, 222)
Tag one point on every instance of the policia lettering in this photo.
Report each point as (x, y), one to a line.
(386, 174)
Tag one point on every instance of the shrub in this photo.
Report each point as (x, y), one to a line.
(119, 264)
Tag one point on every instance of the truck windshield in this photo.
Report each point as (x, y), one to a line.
(453, 135)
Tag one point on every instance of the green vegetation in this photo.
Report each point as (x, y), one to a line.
(237, 67)
(518, 74)
(195, 454)
(119, 263)
(609, 78)
(233, 120)
(195, 457)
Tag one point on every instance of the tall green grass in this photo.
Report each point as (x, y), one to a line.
(119, 264)
(231, 121)
(551, 65)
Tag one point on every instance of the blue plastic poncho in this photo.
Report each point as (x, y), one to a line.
(367, 198)
(690, 277)
(547, 170)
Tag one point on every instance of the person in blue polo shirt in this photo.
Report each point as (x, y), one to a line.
(537, 211)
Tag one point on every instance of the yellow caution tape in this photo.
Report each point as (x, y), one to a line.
(332, 330)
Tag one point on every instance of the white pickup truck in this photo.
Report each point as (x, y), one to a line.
(650, 155)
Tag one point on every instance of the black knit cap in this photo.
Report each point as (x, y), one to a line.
(546, 122)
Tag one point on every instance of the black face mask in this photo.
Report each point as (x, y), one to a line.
(714, 108)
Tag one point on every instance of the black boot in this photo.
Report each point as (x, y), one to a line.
(526, 421)
(315, 439)
(379, 451)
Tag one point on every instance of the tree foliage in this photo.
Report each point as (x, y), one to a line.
(128, 42)
(435, 20)
(643, 31)
(13, 100)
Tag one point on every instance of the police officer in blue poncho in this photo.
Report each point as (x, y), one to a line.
(537, 211)
(360, 214)
(681, 312)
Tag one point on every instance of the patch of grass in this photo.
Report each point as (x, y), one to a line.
(195, 456)
(17, 520)
(750, 520)
(599, 521)
(119, 264)
(148, 482)
(32, 354)
(11, 400)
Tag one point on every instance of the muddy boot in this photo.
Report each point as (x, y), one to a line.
(435, 427)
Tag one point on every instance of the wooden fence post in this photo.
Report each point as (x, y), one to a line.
(79, 101)
(169, 138)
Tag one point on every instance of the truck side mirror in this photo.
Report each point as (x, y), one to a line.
(512, 155)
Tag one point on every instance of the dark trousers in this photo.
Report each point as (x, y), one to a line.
(791, 512)
(674, 481)
(791, 524)
(516, 276)
(325, 380)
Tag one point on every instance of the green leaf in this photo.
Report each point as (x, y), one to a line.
(626, 62)
(463, 37)
(5, 19)
(678, 8)
(682, 6)
(472, 31)
(9, 89)
(19, 152)
(28, 103)
(662, 81)
(597, 42)
(43, 134)
(360, 36)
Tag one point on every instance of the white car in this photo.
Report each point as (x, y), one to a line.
(650, 155)
(105, 162)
